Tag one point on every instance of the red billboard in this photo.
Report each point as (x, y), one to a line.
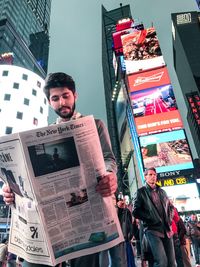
(148, 79)
(194, 104)
(141, 50)
(155, 110)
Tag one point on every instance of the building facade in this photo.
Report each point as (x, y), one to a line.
(111, 82)
(186, 53)
(143, 112)
(23, 103)
(24, 30)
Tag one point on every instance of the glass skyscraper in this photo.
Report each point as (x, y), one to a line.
(24, 31)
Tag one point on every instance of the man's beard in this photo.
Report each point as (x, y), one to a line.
(66, 115)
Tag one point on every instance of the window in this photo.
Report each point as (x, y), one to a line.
(19, 115)
(45, 101)
(25, 77)
(7, 97)
(15, 85)
(35, 121)
(38, 84)
(8, 130)
(26, 101)
(5, 73)
(34, 92)
(41, 110)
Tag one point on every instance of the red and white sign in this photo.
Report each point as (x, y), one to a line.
(148, 79)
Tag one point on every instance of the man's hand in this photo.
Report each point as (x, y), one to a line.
(107, 184)
(8, 196)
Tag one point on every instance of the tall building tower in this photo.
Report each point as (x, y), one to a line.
(109, 21)
(146, 119)
(24, 27)
(186, 52)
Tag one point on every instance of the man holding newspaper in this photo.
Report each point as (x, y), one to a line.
(61, 92)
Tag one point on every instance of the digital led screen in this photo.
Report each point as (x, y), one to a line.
(168, 151)
(148, 79)
(141, 50)
(194, 104)
(155, 110)
(122, 29)
(185, 197)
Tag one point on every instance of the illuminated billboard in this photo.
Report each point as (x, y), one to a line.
(168, 151)
(6, 58)
(141, 50)
(185, 197)
(194, 104)
(148, 79)
(155, 110)
(123, 29)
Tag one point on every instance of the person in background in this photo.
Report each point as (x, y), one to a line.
(194, 232)
(182, 237)
(3, 252)
(177, 249)
(152, 206)
(11, 260)
(60, 91)
(126, 222)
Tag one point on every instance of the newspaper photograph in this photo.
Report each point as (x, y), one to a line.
(57, 214)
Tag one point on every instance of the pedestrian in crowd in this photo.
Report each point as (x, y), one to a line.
(3, 252)
(146, 254)
(61, 93)
(126, 222)
(152, 206)
(182, 237)
(176, 240)
(193, 228)
(11, 260)
(115, 256)
(136, 233)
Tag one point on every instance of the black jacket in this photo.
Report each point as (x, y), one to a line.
(145, 210)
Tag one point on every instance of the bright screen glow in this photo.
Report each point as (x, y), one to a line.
(185, 197)
(155, 110)
(142, 51)
(167, 151)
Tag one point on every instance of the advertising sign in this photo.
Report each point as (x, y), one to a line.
(166, 152)
(194, 104)
(123, 29)
(6, 58)
(185, 196)
(142, 51)
(148, 79)
(155, 110)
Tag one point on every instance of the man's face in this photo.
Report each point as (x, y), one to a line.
(62, 100)
(151, 178)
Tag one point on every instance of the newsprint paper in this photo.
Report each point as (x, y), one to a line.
(57, 214)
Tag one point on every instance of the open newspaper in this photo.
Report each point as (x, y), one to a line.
(57, 214)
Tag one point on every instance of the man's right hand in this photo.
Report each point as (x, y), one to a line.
(8, 196)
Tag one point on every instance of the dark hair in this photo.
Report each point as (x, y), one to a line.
(58, 79)
(4, 240)
(149, 169)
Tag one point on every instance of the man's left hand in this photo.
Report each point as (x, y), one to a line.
(107, 184)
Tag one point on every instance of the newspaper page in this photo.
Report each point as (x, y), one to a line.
(59, 215)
